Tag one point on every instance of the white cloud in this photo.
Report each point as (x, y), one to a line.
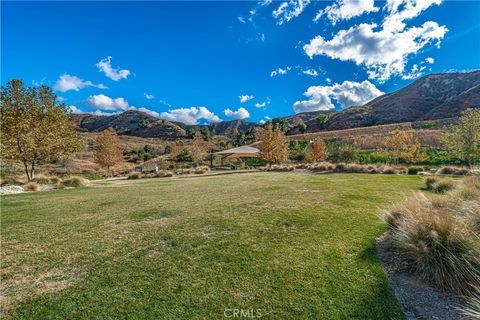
(190, 115)
(242, 19)
(241, 113)
(279, 71)
(347, 94)
(346, 9)
(430, 60)
(383, 53)
(414, 72)
(328, 80)
(74, 109)
(311, 72)
(105, 65)
(268, 118)
(68, 82)
(245, 98)
(103, 102)
(149, 96)
(263, 104)
(382, 50)
(401, 10)
(262, 121)
(286, 11)
(150, 112)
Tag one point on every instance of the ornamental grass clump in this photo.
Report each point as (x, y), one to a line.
(439, 185)
(438, 237)
(134, 175)
(31, 186)
(75, 182)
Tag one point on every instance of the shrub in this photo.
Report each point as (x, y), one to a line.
(41, 179)
(414, 170)
(55, 180)
(439, 185)
(201, 170)
(472, 309)
(31, 186)
(134, 175)
(389, 170)
(164, 173)
(14, 180)
(453, 171)
(75, 182)
(433, 239)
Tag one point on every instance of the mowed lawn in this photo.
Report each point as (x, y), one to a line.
(284, 245)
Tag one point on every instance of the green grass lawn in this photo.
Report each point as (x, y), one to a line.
(289, 245)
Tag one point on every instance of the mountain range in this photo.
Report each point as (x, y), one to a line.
(433, 97)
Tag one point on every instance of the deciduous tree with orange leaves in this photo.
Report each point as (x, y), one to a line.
(108, 152)
(318, 152)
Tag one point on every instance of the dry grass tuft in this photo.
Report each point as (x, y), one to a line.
(201, 170)
(439, 185)
(438, 238)
(134, 175)
(75, 182)
(31, 186)
(41, 179)
(472, 309)
(164, 174)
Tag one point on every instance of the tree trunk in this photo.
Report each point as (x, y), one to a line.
(32, 172)
(27, 172)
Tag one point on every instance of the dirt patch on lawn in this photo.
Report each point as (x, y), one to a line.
(26, 286)
(418, 299)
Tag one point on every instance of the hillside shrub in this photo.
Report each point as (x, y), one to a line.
(437, 238)
(75, 182)
(31, 186)
(134, 175)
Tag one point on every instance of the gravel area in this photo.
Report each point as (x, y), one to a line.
(418, 299)
(11, 189)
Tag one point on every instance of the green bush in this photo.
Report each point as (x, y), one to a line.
(414, 170)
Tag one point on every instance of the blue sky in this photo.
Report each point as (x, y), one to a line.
(204, 61)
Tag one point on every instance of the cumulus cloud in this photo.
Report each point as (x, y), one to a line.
(241, 113)
(262, 121)
(430, 60)
(263, 104)
(245, 98)
(148, 96)
(67, 82)
(280, 71)
(286, 11)
(105, 66)
(346, 9)
(106, 103)
(74, 109)
(382, 50)
(347, 94)
(190, 115)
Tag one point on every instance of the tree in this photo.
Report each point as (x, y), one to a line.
(176, 149)
(108, 152)
(398, 143)
(318, 152)
(463, 139)
(34, 127)
(274, 146)
(190, 132)
(347, 152)
(197, 149)
(414, 154)
(205, 133)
